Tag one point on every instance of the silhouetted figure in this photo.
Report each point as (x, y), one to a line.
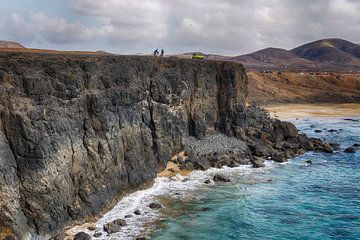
(156, 52)
(162, 53)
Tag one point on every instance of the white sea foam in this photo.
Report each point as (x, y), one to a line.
(176, 187)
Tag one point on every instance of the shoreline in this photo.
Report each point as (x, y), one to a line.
(178, 183)
(166, 187)
(310, 110)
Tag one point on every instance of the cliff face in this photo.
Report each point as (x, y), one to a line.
(76, 131)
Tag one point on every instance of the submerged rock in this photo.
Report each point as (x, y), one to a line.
(350, 150)
(220, 178)
(155, 205)
(207, 181)
(309, 162)
(82, 236)
(335, 146)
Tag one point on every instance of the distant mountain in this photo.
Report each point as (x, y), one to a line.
(8, 44)
(330, 51)
(326, 54)
(323, 55)
(273, 58)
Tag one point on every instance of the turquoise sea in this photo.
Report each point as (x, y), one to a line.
(286, 201)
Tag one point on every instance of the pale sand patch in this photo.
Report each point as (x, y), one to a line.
(314, 110)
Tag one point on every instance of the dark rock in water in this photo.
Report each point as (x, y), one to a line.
(141, 238)
(332, 130)
(97, 234)
(111, 228)
(114, 226)
(185, 180)
(318, 131)
(350, 150)
(309, 162)
(335, 146)
(351, 120)
(356, 145)
(207, 181)
(312, 126)
(128, 216)
(220, 178)
(82, 236)
(319, 145)
(155, 205)
(137, 212)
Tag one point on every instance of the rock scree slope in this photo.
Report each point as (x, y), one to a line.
(76, 132)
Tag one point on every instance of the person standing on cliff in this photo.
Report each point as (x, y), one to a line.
(156, 52)
(162, 53)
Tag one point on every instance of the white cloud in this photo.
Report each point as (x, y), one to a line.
(345, 8)
(39, 27)
(227, 26)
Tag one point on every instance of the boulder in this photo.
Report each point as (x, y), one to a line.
(350, 150)
(97, 234)
(220, 178)
(356, 145)
(82, 236)
(114, 226)
(309, 162)
(137, 212)
(287, 129)
(317, 131)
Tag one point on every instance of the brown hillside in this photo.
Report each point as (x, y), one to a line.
(8, 44)
(291, 87)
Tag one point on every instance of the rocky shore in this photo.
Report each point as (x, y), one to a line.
(77, 132)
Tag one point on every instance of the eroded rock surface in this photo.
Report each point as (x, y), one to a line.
(78, 131)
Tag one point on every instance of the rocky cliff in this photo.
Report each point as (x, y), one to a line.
(78, 131)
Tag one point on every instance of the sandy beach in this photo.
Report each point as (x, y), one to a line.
(287, 111)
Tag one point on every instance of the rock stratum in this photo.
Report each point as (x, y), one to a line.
(77, 132)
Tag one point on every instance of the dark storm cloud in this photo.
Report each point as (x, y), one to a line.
(228, 26)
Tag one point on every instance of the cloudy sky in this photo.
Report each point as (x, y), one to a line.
(230, 27)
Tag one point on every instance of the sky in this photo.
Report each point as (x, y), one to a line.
(228, 27)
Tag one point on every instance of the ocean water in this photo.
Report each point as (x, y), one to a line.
(284, 201)
(294, 200)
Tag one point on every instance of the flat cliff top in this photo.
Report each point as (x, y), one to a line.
(37, 54)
